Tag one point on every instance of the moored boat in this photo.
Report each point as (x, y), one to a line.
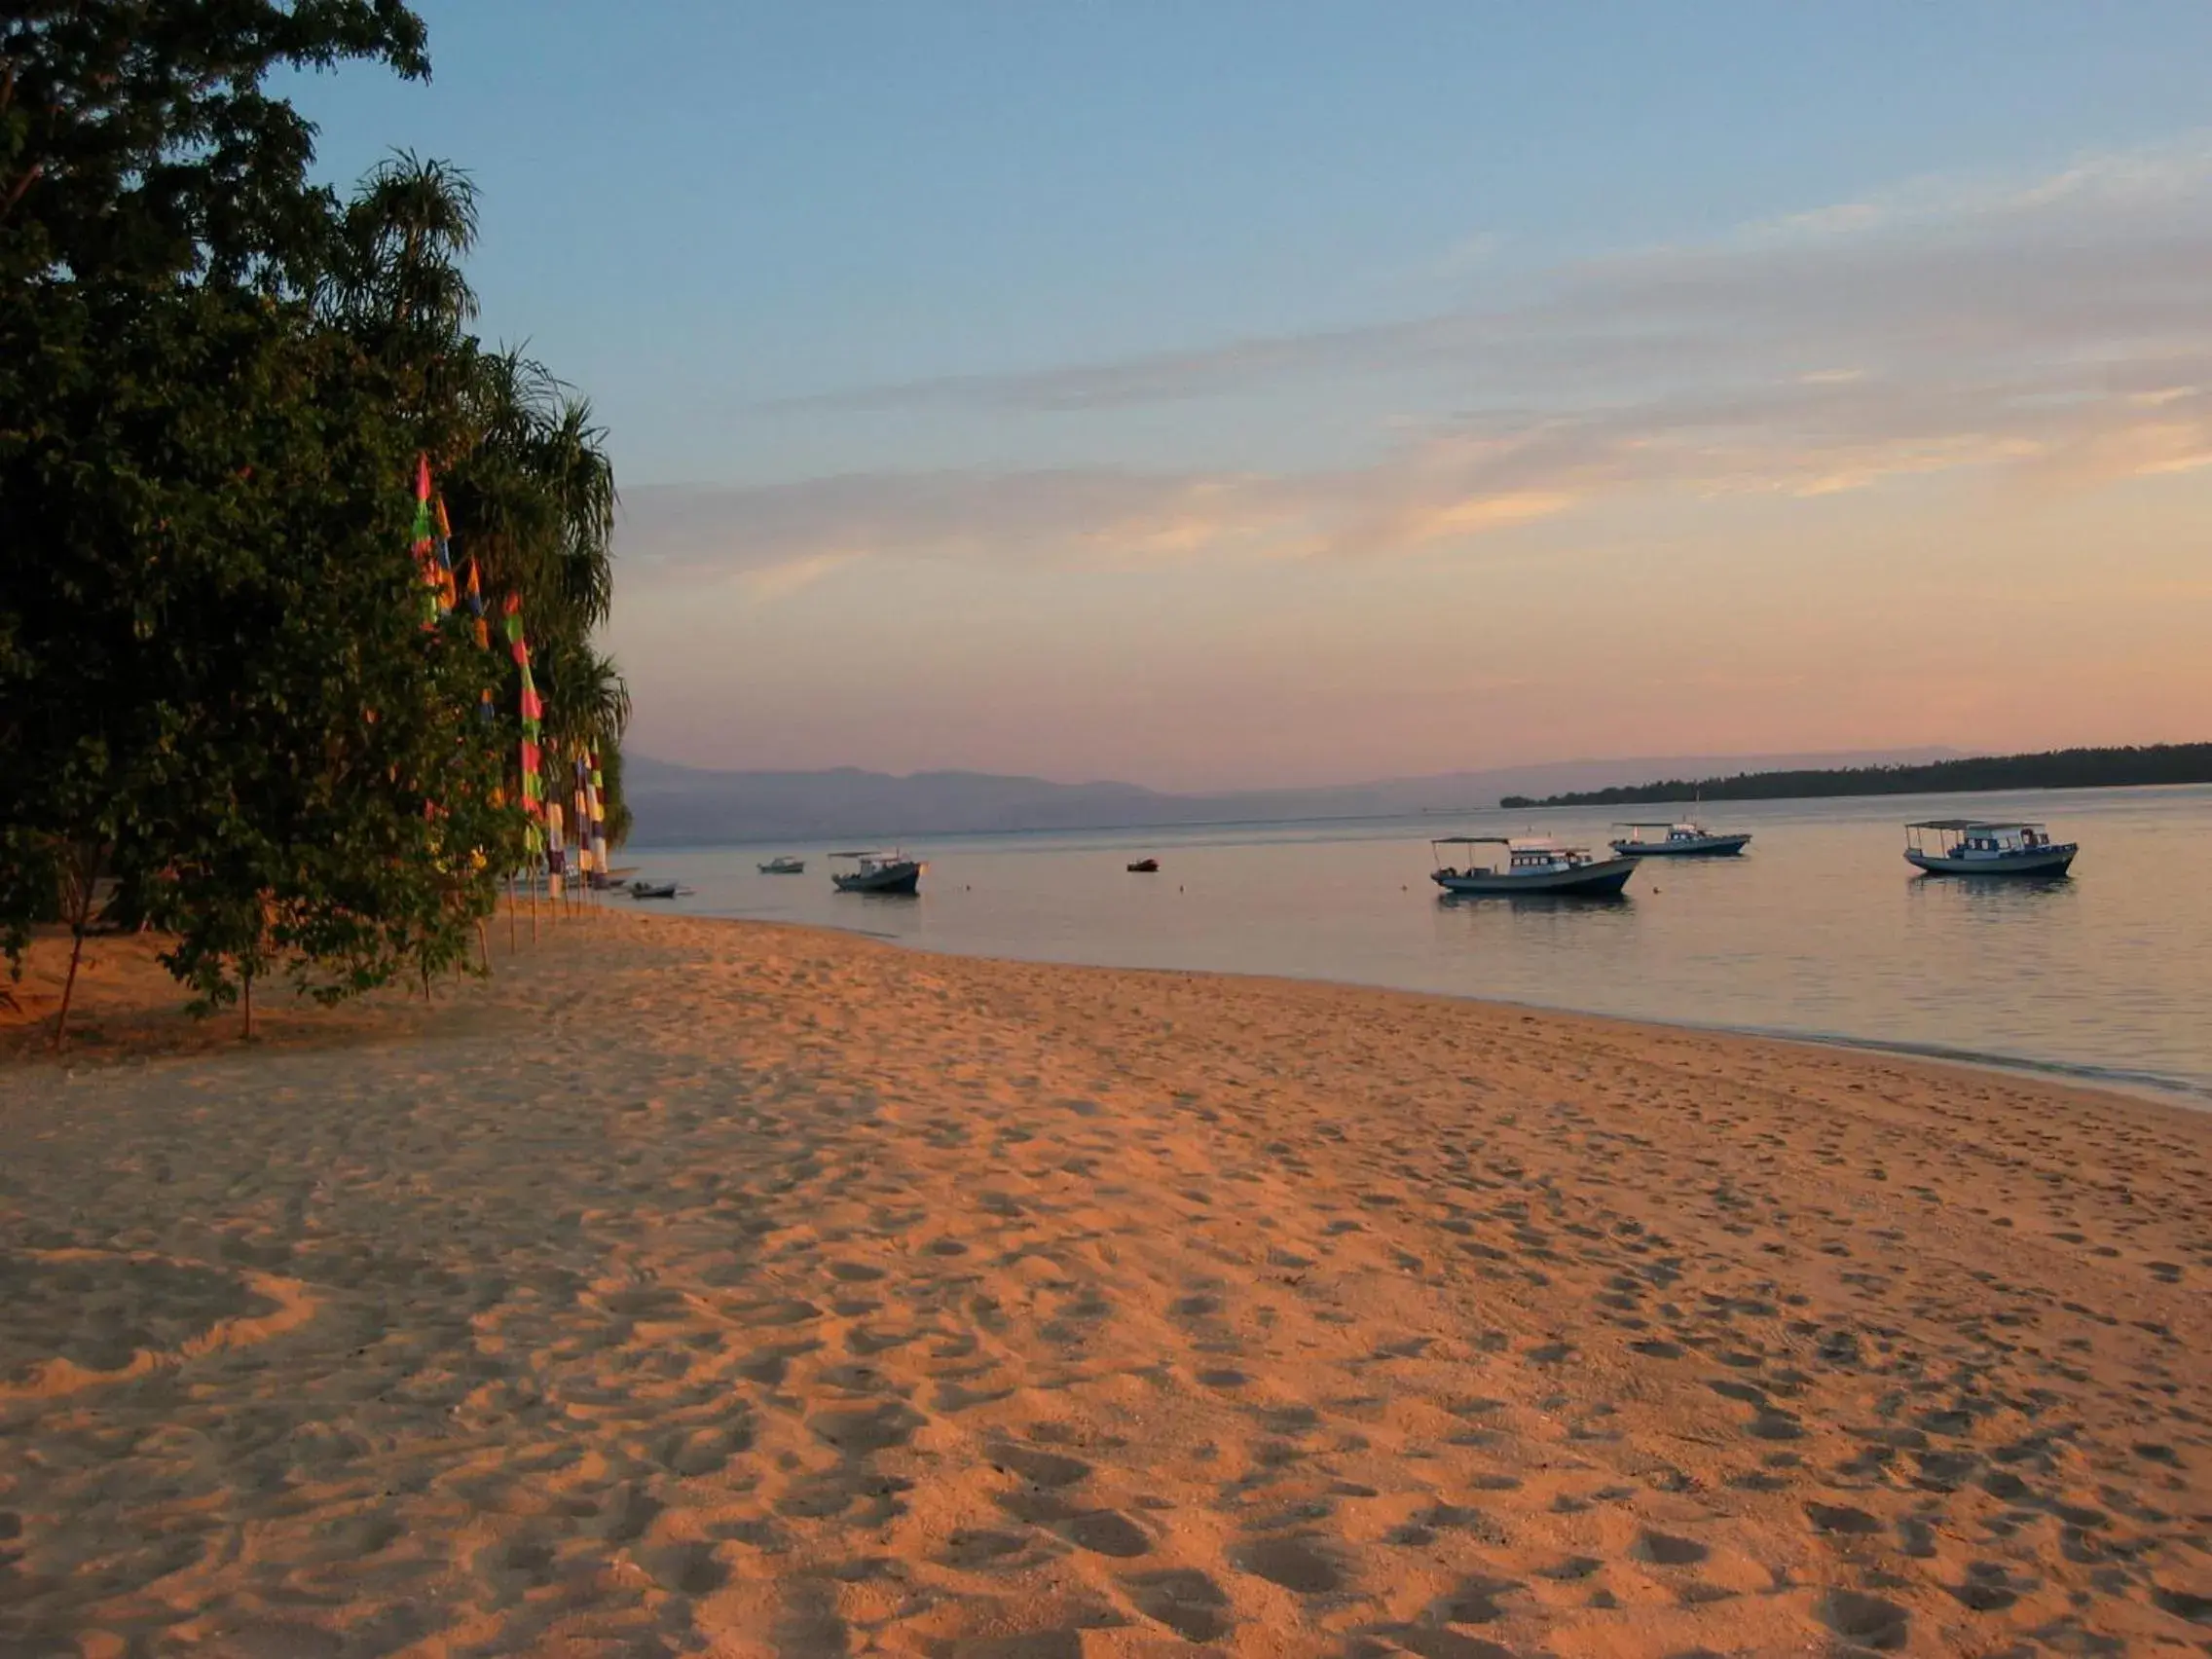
(1145, 866)
(1676, 838)
(656, 890)
(1967, 846)
(784, 865)
(1532, 867)
(876, 872)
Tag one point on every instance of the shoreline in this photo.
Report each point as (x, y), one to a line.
(2134, 1086)
(2144, 1088)
(700, 1284)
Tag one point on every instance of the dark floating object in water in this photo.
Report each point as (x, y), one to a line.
(656, 890)
(1145, 866)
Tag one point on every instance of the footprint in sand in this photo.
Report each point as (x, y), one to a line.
(1664, 1549)
(1184, 1599)
(1301, 1563)
(1863, 1619)
(81, 1318)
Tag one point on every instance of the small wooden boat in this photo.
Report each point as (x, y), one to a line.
(784, 865)
(656, 890)
(1145, 866)
(1967, 846)
(876, 872)
(1532, 867)
(1679, 838)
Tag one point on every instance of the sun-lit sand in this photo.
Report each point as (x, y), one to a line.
(723, 1288)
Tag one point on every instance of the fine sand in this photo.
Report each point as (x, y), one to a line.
(703, 1287)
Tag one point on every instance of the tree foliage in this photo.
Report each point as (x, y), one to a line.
(216, 685)
(523, 465)
(137, 143)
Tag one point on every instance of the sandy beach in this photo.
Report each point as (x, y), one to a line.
(715, 1287)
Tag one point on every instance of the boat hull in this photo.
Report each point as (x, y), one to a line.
(2044, 862)
(901, 878)
(796, 867)
(1704, 847)
(1601, 880)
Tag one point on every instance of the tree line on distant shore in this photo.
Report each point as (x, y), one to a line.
(2052, 769)
(232, 697)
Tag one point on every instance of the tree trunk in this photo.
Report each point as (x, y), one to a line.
(88, 877)
(246, 1001)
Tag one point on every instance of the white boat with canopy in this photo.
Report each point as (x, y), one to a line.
(1968, 846)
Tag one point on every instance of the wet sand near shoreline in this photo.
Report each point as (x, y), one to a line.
(720, 1287)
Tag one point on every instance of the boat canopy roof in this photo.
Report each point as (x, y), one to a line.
(1518, 844)
(1963, 824)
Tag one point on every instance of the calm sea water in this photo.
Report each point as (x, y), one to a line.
(1820, 930)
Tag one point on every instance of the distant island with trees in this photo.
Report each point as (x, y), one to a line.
(2052, 769)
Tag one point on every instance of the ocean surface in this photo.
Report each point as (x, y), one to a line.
(1821, 928)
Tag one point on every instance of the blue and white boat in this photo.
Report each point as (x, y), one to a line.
(1967, 846)
(1532, 867)
(1678, 838)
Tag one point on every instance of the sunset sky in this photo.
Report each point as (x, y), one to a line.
(1218, 395)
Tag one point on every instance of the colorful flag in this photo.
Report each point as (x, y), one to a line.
(582, 799)
(532, 713)
(596, 790)
(556, 853)
(442, 544)
(426, 542)
(476, 605)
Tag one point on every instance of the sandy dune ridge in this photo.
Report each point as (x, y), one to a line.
(712, 1287)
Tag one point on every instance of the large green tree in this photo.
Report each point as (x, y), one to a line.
(215, 686)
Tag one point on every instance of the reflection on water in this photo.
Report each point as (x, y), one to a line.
(1998, 890)
(1820, 929)
(1538, 901)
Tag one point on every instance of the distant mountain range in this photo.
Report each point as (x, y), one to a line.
(689, 805)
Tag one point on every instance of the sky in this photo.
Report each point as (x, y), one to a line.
(1235, 396)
